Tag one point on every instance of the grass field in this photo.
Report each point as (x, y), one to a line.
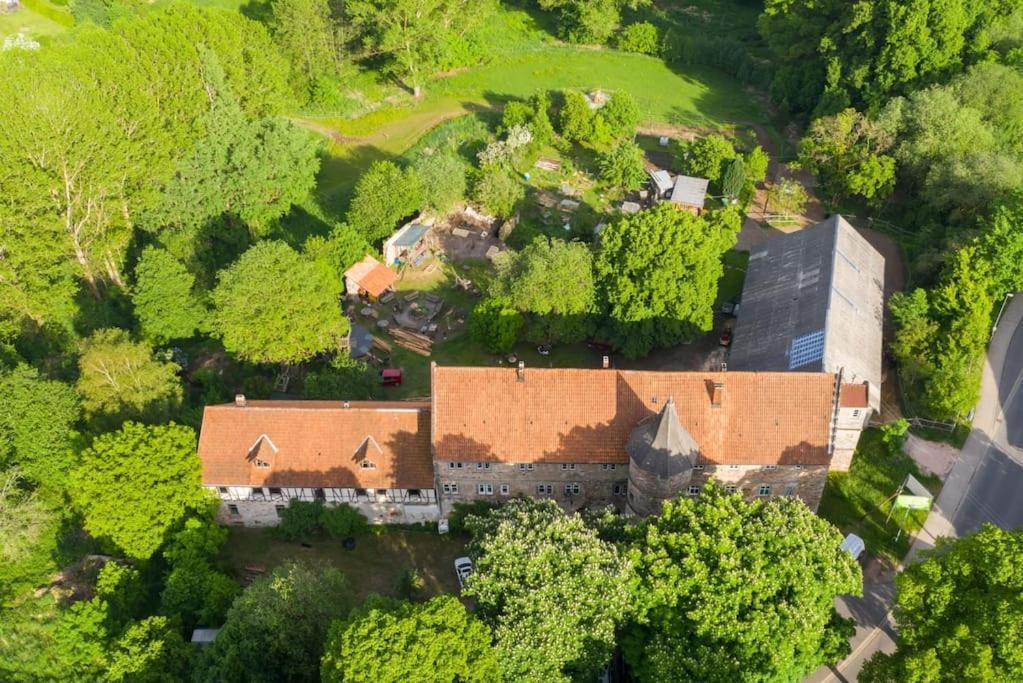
(31, 23)
(374, 566)
(858, 501)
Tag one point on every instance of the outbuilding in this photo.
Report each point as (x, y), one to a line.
(369, 277)
(408, 246)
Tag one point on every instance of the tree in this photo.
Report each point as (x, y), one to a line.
(589, 21)
(551, 281)
(658, 271)
(275, 306)
(734, 179)
(443, 180)
(37, 417)
(194, 591)
(164, 297)
(847, 152)
(733, 589)
(495, 323)
(787, 196)
(383, 196)
(621, 167)
(497, 191)
(575, 119)
(705, 157)
(621, 114)
(120, 379)
(276, 629)
(1000, 245)
(388, 640)
(305, 32)
(959, 613)
(136, 484)
(337, 252)
(530, 555)
(417, 36)
(150, 650)
(757, 162)
(639, 37)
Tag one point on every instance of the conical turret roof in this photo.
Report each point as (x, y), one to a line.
(662, 446)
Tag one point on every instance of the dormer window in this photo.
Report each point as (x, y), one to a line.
(261, 452)
(367, 465)
(262, 464)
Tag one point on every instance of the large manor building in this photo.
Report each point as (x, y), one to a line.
(586, 437)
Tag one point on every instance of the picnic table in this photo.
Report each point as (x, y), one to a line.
(383, 324)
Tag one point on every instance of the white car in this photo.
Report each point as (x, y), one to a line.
(463, 567)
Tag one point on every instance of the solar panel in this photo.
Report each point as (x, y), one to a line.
(806, 349)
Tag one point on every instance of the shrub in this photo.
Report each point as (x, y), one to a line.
(478, 508)
(639, 37)
(341, 521)
(300, 520)
(498, 192)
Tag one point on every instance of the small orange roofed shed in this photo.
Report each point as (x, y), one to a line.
(370, 276)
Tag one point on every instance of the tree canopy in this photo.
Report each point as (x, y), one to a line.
(384, 195)
(136, 484)
(554, 592)
(165, 300)
(273, 305)
(959, 613)
(658, 271)
(731, 589)
(388, 640)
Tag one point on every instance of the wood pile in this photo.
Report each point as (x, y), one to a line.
(413, 341)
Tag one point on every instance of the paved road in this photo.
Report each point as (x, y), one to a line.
(985, 485)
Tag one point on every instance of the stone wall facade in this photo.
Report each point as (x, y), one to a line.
(648, 492)
(573, 486)
(849, 424)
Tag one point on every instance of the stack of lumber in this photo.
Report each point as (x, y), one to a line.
(413, 341)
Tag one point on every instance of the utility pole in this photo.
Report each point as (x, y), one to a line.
(1000, 311)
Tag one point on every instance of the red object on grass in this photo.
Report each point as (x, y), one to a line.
(390, 377)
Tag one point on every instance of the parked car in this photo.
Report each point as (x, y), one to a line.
(463, 567)
(726, 338)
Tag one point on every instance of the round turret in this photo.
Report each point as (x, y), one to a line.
(662, 455)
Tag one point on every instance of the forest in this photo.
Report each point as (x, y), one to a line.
(185, 185)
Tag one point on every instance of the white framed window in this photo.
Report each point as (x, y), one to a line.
(620, 489)
(770, 467)
(450, 488)
(483, 465)
(730, 488)
(608, 467)
(544, 489)
(693, 490)
(485, 489)
(455, 465)
(526, 467)
(505, 489)
(765, 490)
(856, 413)
(572, 489)
(568, 466)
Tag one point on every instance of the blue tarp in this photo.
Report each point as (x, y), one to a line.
(360, 342)
(411, 236)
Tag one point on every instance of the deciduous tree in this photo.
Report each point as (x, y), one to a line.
(497, 191)
(734, 589)
(165, 300)
(443, 179)
(496, 323)
(383, 196)
(307, 35)
(388, 640)
(136, 484)
(621, 167)
(274, 305)
(530, 555)
(705, 157)
(959, 613)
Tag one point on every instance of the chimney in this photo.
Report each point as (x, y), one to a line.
(717, 393)
(239, 400)
(606, 363)
(521, 372)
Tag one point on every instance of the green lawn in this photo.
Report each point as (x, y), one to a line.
(375, 566)
(730, 284)
(858, 501)
(31, 23)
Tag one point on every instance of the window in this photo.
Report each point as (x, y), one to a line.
(360, 494)
(790, 490)
(505, 489)
(381, 493)
(483, 465)
(257, 494)
(770, 467)
(320, 494)
(485, 489)
(799, 467)
(455, 465)
(275, 494)
(414, 495)
(730, 488)
(572, 489)
(367, 465)
(765, 490)
(619, 489)
(856, 413)
(262, 464)
(544, 489)
(733, 467)
(279, 509)
(222, 490)
(526, 467)
(698, 468)
(233, 510)
(693, 490)
(450, 488)
(607, 468)
(567, 466)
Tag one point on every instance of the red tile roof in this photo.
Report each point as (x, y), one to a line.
(371, 275)
(586, 416)
(854, 396)
(317, 444)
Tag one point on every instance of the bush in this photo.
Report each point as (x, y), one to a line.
(341, 521)
(456, 520)
(300, 520)
(639, 37)
(443, 180)
(498, 192)
(495, 324)
(410, 584)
